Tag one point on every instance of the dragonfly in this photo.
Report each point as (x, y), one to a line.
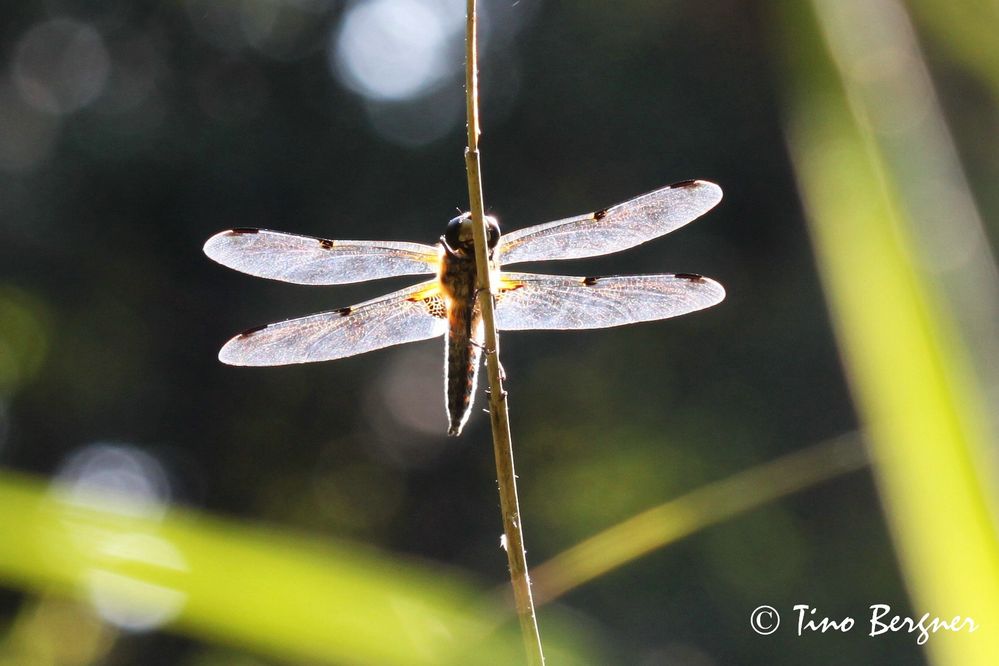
(447, 304)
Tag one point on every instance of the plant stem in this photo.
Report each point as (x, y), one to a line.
(704, 506)
(499, 415)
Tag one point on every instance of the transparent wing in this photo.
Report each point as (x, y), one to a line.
(612, 229)
(416, 313)
(309, 260)
(528, 301)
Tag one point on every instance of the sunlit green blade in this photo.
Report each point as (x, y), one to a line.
(250, 587)
(909, 375)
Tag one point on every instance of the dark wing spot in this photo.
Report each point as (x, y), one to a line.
(684, 183)
(343, 312)
(590, 281)
(503, 291)
(239, 231)
(599, 215)
(250, 331)
(326, 244)
(693, 277)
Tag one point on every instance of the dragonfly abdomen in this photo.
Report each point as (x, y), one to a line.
(462, 366)
(464, 337)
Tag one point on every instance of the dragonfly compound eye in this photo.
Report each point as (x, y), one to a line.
(452, 236)
(492, 231)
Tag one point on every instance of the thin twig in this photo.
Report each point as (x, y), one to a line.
(498, 412)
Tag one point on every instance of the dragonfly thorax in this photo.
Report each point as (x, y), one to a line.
(458, 236)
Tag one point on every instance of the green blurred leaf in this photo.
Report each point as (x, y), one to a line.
(247, 586)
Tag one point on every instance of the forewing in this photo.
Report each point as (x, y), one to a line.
(309, 260)
(527, 301)
(416, 313)
(613, 229)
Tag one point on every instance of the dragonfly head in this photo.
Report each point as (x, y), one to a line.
(458, 237)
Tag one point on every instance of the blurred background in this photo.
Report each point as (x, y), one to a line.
(130, 132)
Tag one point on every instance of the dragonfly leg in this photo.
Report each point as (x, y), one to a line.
(504, 394)
(489, 352)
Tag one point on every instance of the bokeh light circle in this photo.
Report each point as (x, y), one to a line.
(60, 66)
(393, 49)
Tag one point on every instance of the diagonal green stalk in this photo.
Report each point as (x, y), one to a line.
(707, 505)
(499, 414)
